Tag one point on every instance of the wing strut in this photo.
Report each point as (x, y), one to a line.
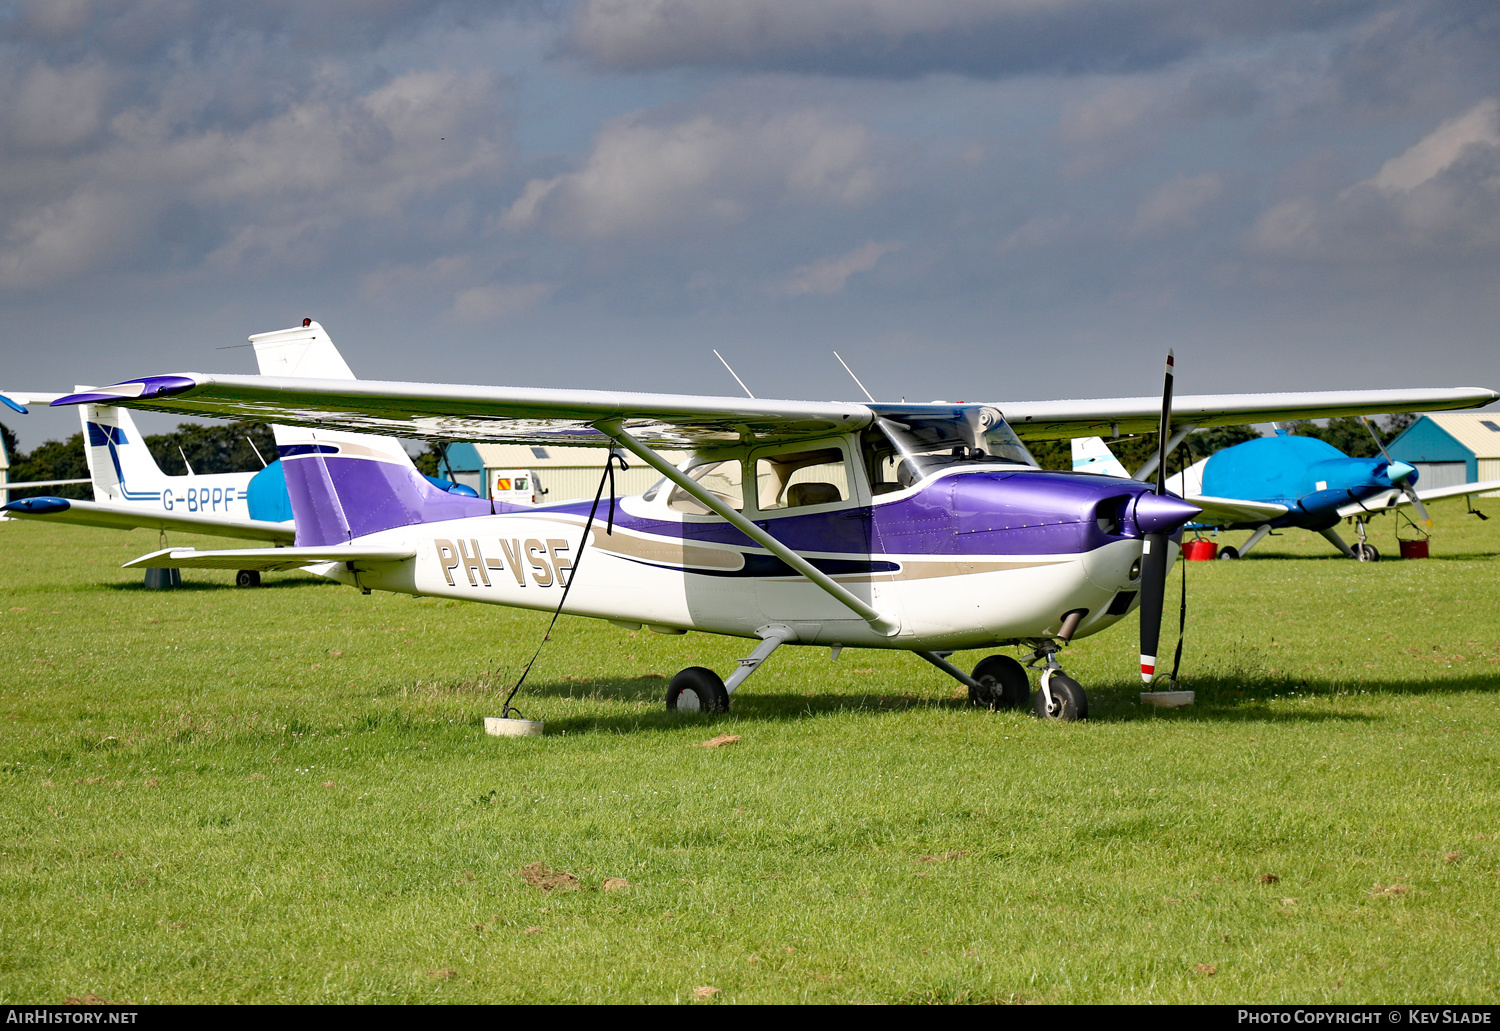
(863, 609)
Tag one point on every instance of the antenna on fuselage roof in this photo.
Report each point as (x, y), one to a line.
(868, 395)
(734, 374)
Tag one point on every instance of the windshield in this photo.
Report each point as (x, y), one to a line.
(905, 447)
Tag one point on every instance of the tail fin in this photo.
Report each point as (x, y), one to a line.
(1092, 455)
(344, 485)
(120, 464)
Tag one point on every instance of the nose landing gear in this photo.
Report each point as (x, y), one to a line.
(1000, 682)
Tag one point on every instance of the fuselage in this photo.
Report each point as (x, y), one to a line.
(1312, 478)
(972, 556)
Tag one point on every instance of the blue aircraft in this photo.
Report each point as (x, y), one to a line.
(1282, 481)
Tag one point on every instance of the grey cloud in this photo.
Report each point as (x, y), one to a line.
(900, 38)
(1439, 200)
(701, 173)
(158, 133)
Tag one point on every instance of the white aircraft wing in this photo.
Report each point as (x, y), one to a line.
(1395, 498)
(1055, 420)
(551, 416)
(270, 559)
(128, 517)
(458, 412)
(1234, 510)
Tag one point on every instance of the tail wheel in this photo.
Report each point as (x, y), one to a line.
(247, 578)
(696, 689)
(1068, 700)
(1003, 683)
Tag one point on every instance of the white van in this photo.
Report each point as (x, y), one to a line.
(516, 486)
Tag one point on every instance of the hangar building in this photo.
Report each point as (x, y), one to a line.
(1450, 448)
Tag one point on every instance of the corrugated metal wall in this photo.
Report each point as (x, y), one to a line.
(1489, 469)
(1441, 474)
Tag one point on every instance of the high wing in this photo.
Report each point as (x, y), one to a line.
(543, 416)
(1225, 511)
(1395, 498)
(358, 556)
(128, 517)
(512, 414)
(1057, 420)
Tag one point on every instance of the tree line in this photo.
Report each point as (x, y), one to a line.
(219, 448)
(1348, 434)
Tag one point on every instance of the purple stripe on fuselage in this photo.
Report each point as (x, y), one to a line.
(1002, 513)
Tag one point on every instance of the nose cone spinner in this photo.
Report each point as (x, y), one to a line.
(1399, 472)
(1162, 513)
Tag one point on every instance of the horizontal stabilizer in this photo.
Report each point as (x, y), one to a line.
(270, 559)
(128, 517)
(1235, 510)
(1395, 499)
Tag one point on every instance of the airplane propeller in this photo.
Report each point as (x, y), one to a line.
(1403, 479)
(1158, 515)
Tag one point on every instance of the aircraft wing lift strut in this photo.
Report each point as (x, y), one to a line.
(863, 609)
(1172, 442)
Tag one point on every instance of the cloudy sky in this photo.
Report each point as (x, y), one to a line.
(967, 198)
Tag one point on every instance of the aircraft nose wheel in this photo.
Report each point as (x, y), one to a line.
(1068, 701)
(1365, 553)
(1003, 681)
(696, 689)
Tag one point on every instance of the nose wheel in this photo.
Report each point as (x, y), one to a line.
(1059, 696)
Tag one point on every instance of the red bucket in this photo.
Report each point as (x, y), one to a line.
(1200, 551)
(1413, 549)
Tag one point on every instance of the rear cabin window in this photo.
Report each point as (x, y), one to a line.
(801, 479)
(725, 480)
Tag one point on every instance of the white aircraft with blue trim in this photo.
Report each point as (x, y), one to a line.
(131, 491)
(920, 527)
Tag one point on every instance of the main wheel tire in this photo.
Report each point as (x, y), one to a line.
(247, 578)
(1004, 682)
(1366, 553)
(1068, 700)
(696, 689)
(1229, 553)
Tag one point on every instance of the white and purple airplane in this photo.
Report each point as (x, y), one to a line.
(921, 527)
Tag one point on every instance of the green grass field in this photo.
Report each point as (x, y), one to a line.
(285, 794)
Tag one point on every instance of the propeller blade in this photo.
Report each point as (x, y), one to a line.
(1384, 453)
(1153, 591)
(1416, 503)
(1154, 550)
(1166, 427)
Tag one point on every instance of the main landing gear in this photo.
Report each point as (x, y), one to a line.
(697, 689)
(998, 681)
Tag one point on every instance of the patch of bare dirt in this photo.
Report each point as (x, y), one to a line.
(539, 875)
(721, 741)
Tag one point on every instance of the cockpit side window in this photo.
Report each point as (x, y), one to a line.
(800, 479)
